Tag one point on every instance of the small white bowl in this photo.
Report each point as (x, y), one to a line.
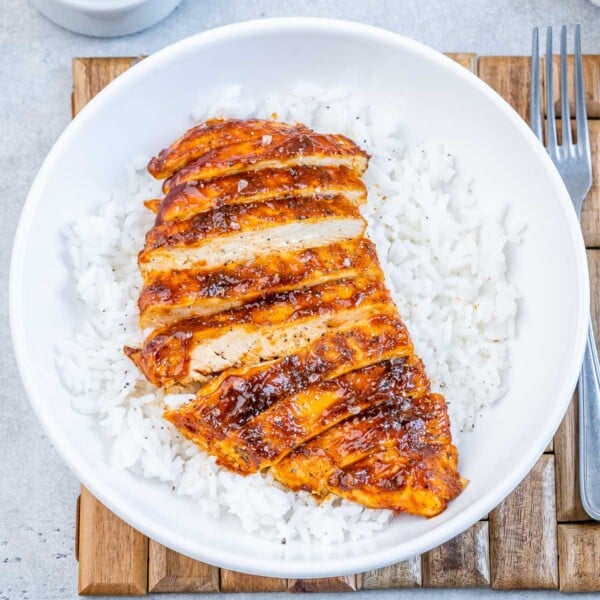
(150, 105)
(105, 18)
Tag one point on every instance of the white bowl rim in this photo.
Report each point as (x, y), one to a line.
(255, 564)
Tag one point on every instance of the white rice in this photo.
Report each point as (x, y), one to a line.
(442, 245)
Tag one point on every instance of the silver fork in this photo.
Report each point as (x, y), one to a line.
(573, 161)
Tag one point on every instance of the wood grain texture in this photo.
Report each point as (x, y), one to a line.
(590, 214)
(523, 551)
(509, 76)
(579, 557)
(113, 557)
(566, 449)
(169, 571)
(405, 574)
(240, 582)
(90, 75)
(462, 562)
(466, 59)
(346, 583)
(591, 76)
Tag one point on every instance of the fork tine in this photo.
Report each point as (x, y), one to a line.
(535, 110)
(564, 90)
(550, 115)
(583, 136)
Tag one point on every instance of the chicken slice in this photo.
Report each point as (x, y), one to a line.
(153, 205)
(170, 296)
(195, 197)
(419, 481)
(214, 133)
(397, 456)
(272, 434)
(288, 150)
(230, 400)
(193, 349)
(241, 232)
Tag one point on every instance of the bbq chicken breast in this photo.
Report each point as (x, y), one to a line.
(261, 290)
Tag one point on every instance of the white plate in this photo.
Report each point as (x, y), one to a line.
(150, 105)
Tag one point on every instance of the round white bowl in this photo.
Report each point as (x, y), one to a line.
(105, 18)
(149, 106)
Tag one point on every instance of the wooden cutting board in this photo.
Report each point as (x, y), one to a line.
(538, 538)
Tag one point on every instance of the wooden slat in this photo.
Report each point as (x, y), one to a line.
(240, 582)
(405, 574)
(591, 76)
(590, 214)
(579, 557)
(169, 571)
(509, 76)
(346, 583)
(523, 552)
(566, 448)
(466, 59)
(90, 75)
(113, 557)
(462, 562)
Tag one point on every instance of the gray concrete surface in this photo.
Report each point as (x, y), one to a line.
(37, 492)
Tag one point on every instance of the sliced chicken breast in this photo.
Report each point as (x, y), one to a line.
(189, 199)
(263, 291)
(266, 329)
(229, 401)
(269, 436)
(397, 455)
(171, 296)
(242, 231)
(281, 151)
(214, 133)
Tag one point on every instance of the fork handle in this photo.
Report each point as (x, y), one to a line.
(589, 428)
